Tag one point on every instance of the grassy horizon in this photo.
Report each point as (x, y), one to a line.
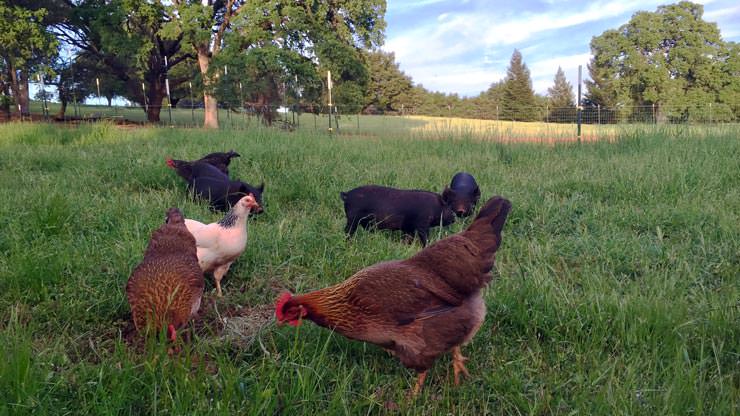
(380, 126)
(616, 293)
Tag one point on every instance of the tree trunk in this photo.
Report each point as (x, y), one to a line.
(265, 110)
(23, 95)
(110, 99)
(5, 100)
(210, 104)
(19, 86)
(62, 107)
(155, 96)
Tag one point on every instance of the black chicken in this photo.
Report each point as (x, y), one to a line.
(208, 181)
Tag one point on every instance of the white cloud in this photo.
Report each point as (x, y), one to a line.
(406, 6)
(528, 24)
(722, 14)
(568, 63)
(460, 78)
(728, 19)
(465, 49)
(543, 71)
(456, 34)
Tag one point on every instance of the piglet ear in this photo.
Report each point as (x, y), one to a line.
(447, 195)
(476, 192)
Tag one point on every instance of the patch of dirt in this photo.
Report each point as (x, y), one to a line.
(239, 325)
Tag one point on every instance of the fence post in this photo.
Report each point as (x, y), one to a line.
(167, 89)
(329, 85)
(710, 113)
(192, 104)
(655, 119)
(43, 96)
(579, 104)
(169, 99)
(143, 92)
(598, 113)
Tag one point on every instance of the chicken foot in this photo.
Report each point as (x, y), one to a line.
(458, 364)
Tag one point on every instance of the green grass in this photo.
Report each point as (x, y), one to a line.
(617, 290)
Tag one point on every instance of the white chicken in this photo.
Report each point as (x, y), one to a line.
(220, 243)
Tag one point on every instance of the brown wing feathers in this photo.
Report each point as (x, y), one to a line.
(168, 283)
(463, 261)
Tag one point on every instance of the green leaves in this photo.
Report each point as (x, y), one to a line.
(670, 58)
(278, 50)
(22, 35)
(389, 87)
(191, 20)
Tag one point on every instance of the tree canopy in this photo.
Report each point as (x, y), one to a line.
(123, 40)
(281, 40)
(390, 90)
(248, 55)
(671, 59)
(25, 46)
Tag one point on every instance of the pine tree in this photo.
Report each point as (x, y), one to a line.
(561, 93)
(518, 99)
(560, 99)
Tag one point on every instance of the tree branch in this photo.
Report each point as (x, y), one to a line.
(180, 58)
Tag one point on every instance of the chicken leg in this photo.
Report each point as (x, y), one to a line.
(419, 383)
(218, 274)
(458, 364)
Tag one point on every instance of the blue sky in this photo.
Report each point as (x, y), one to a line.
(463, 46)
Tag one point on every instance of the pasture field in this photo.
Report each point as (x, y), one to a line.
(381, 126)
(616, 289)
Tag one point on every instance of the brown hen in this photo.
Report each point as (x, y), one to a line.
(165, 289)
(418, 308)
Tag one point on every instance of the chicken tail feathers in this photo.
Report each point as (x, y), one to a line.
(485, 230)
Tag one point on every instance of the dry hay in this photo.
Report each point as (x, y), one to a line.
(244, 327)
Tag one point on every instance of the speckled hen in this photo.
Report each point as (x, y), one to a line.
(165, 289)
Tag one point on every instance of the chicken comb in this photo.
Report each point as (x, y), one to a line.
(281, 301)
(170, 163)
